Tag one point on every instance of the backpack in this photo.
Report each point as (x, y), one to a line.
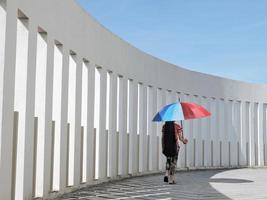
(170, 146)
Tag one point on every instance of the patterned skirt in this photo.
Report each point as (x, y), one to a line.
(171, 163)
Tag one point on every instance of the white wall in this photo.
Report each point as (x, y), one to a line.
(111, 91)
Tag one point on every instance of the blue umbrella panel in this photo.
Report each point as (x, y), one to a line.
(171, 112)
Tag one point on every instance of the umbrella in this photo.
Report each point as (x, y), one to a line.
(181, 111)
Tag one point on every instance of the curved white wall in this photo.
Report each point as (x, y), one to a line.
(85, 100)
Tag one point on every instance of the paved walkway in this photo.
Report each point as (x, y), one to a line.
(245, 184)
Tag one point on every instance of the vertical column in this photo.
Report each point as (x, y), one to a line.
(188, 133)
(56, 110)
(64, 117)
(265, 133)
(216, 139)
(181, 156)
(227, 134)
(223, 146)
(159, 128)
(198, 136)
(248, 132)
(243, 139)
(259, 131)
(251, 134)
(112, 125)
(84, 114)
(7, 85)
(122, 126)
(212, 121)
(235, 134)
(40, 109)
(206, 136)
(20, 96)
(90, 121)
(135, 138)
(145, 126)
(163, 158)
(73, 60)
(229, 151)
(102, 124)
(256, 132)
(133, 126)
(238, 122)
(152, 127)
(29, 117)
(48, 116)
(140, 126)
(77, 133)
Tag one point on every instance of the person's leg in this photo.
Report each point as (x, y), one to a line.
(167, 173)
(173, 169)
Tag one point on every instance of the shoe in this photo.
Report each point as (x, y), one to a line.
(166, 179)
(172, 182)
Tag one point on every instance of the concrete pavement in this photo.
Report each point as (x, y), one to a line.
(241, 184)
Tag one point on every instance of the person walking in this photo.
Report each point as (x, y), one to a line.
(171, 134)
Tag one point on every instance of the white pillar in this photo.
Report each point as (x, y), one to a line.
(90, 121)
(135, 138)
(40, 109)
(56, 111)
(205, 132)
(122, 126)
(260, 134)
(7, 85)
(64, 118)
(143, 126)
(265, 133)
(223, 147)
(140, 125)
(77, 133)
(251, 135)
(159, 129)
(248, 132)
(181, 156)
(243, 142)
(229, 134)
(71, 114)
(48, 116)
(216, 139)
(102, 124)
(20, 98)
(234, 134)
(163, 103)
(152, 102)
(112, 139)
(84, 115)
(29, 117)
(188, 133)
(133, 126)
(197, 135)
(144, 131)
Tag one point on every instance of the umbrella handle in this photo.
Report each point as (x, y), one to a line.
(181, 120)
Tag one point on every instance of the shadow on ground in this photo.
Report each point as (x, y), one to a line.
(229, 180)
(190, 185)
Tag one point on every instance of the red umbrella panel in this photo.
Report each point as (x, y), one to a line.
(193, 111)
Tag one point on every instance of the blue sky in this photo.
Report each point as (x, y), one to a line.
(227, 38)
